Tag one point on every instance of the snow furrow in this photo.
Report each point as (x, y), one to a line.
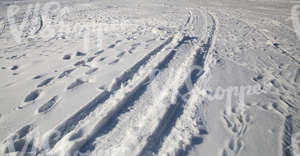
(115, 102)
(175, 110)
(68, 125)
(189, 128)
(129, 74)
(131, 139)
(150, 117)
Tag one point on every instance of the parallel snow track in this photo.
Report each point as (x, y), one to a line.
(167, 113)
(130, 98)
(176, 110)
(113, 95)
(69, 124)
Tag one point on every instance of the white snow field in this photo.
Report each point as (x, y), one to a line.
(149, 77)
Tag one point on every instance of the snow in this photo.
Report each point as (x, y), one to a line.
(180, 77)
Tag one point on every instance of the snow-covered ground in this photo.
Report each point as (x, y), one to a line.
(151, 77)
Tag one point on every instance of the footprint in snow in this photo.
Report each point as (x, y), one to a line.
(102, 59)
(75, 84)
(66, 73)
(91, 71)
(120, 54)
(151, 40)
(99, 52)
(258, 78)
(113, 62)
(90, 59)
(114, 45)
(79, 63)
(111, 46)
(80, 53)
(48, 105)
(45, 82)
(67, 57)
(39, 76)
(33, 95)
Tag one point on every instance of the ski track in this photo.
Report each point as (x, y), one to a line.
(129, 100)
(68, 125)
(116, 103)
(169, 117)
(194, 135)
(176, 110)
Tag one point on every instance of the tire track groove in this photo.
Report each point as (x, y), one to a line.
(176, 110)
(68, 125)
(109, 96)
(111, 121)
